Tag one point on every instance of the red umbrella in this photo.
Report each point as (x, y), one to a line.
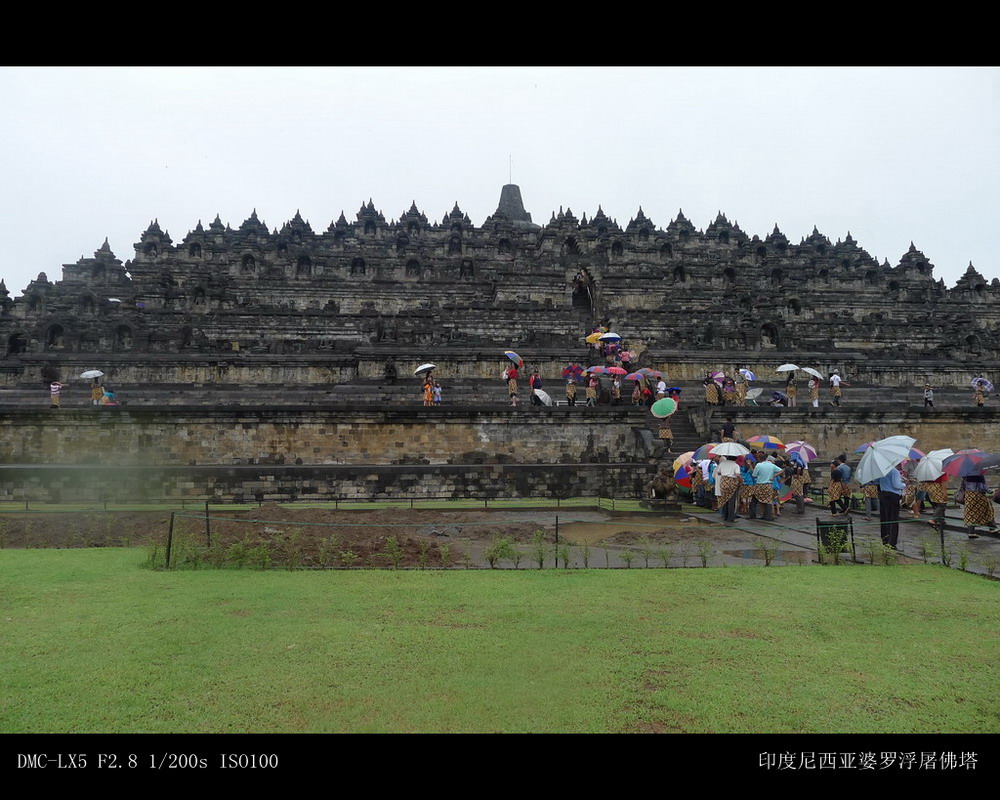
(964, 463)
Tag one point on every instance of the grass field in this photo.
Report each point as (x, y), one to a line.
(92, 642)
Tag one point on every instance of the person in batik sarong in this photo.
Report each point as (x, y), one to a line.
(741, 390)
(728, 391)
(814, 391)
(870, 492)
(937, 495)
(666, 433)
(711, 390)
(727, 487)
(978, 508)
(839, 491)
(791, 389)
(799, 481)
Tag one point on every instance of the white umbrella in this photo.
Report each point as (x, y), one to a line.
(786, 368)
(929, 468)
(91, 373)
(883, 456)
(424, 368)
(814, 372)
(753, 394)
(543, 396)
(729, 449)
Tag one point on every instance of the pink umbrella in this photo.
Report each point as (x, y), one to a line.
(805, 450)
(617, 371)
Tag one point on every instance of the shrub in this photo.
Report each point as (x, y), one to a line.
(539, 549)
(393, 552)
(501, 547)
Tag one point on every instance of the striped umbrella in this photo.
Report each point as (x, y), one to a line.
(964, 463)
(767, 442)
(748, 375)
(683, 460)
(682, 472)
(703, 452)
(634, 376)
(805, 450)
(682, 476)
(514, 357)
(985, 383)
(717, 376)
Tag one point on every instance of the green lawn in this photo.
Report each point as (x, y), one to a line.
(93, 642)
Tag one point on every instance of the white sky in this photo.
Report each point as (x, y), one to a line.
(892, 155)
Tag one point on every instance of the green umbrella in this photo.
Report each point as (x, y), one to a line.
(664, 407)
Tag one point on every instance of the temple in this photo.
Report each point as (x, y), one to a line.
(254, 358)
(367, 285)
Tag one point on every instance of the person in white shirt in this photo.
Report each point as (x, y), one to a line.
(727, 487)
(835, 383)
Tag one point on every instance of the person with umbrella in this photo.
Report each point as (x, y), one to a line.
(510, 375)
(728, 391)
(890, 495)
(742, 378)
(763, 489)
(881, 462)
(791, 389)
(96, 392)
(571, 392)
(798, 479)
(980, 395)
(972, 493)
(727, 487)
(814, 391)
(934, 480)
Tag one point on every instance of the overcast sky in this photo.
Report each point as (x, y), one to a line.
(889, 155)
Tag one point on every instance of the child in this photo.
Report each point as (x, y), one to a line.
(437, 393)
